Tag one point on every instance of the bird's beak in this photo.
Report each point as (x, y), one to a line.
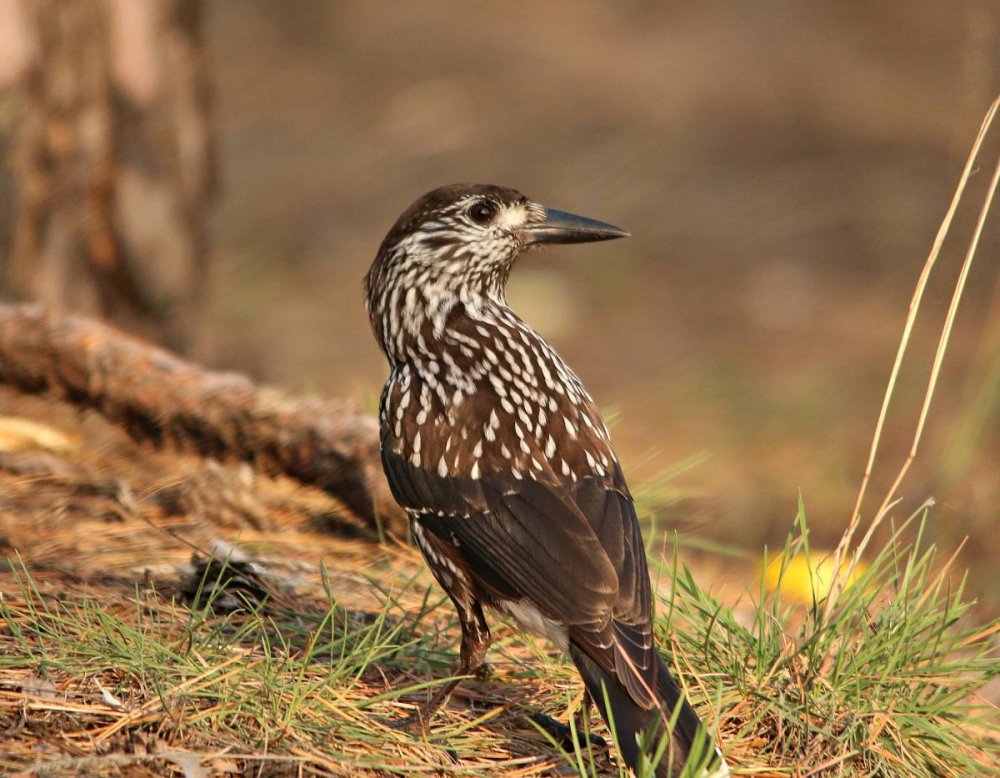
(562, 227)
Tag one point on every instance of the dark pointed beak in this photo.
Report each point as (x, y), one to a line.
(562, 227)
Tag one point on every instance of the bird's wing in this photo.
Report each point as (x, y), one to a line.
(573, 551)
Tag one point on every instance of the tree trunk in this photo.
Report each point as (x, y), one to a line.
(112, 160)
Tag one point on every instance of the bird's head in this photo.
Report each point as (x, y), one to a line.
(458, 244)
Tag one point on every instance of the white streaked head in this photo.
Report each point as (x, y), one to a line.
(458, 244)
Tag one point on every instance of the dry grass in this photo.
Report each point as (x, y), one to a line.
(127, 674)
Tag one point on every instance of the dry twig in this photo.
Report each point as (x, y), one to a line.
(843, 576)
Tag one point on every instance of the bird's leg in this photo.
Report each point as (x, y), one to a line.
(476, 641)
(582, 715)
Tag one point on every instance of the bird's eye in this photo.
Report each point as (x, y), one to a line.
(482, 212)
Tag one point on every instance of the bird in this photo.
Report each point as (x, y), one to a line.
(505, 467)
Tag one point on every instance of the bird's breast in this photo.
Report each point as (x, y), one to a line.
(493, 399)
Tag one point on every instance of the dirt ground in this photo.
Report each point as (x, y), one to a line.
(783, 171)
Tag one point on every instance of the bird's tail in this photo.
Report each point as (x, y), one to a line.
(640, 731)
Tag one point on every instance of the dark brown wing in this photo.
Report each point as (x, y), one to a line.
(572, 550)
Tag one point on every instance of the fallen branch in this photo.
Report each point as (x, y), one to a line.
(167, 401)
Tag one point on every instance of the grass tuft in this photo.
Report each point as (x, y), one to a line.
(887, 684)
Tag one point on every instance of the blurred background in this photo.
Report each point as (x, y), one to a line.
(218, 176)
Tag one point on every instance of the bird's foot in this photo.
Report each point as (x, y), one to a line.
(414, 724)
(564, 734)
(483, 672)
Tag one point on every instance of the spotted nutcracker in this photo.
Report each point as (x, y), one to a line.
(505, 467)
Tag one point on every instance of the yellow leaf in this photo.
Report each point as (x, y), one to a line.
(804, 580)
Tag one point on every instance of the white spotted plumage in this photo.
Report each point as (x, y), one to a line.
(538, 397)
